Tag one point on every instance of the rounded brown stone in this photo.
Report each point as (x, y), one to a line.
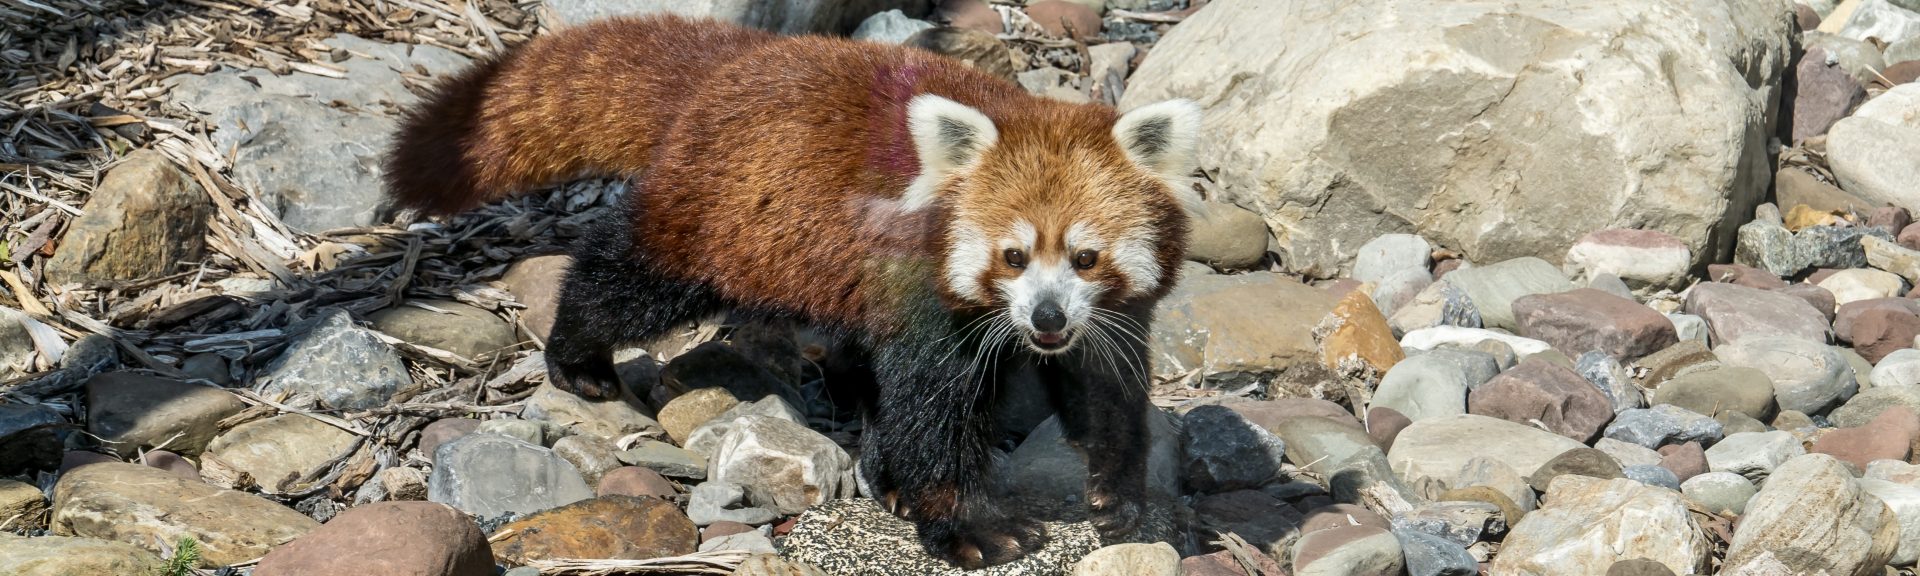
(971, 15)
(442, 431)
(722, 529)
(171, 462)
(636, 481)
(387, 538)
(1384, 425)
(1879, 332)
(610, 527)
(1684, 460)
(1057, 16)
(1888, 436)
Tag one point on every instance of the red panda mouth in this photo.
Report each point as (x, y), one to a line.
(1049, 341)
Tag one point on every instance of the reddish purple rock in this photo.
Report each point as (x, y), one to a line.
(1588, 319)
(1734, 312)
(1909, 237)
(1821, 299)
(634, 481)
(1893, 219)
(1384, 424)
(1745, 276)
(1888, 436)
(1057, 16)
(1851, 311)
(1684, 460)
(1880, 331)
(1824, 94)
(1554, 395)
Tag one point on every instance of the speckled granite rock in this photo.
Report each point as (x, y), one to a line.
(855, 536)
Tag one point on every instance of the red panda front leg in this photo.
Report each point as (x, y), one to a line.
(612, 296)
(1100, 393)
(926, 455)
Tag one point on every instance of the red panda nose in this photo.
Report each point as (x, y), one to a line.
(1048, 317)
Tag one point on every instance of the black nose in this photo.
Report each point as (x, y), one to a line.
(1048, 317)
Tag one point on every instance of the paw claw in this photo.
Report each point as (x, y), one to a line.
(980, 543)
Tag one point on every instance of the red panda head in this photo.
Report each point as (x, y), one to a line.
(1059, 213)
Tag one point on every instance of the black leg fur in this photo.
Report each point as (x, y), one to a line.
(611, 296)
(1100, 392)
(926, 449)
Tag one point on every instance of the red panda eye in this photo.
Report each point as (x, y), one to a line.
(1016, 258)
(1086, 259)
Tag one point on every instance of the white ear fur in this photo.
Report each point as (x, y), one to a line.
(947, 136)
(1161, 138)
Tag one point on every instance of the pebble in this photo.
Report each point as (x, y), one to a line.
(667, 459)
(1652, 475)
(1685, 460)
(1224, 451)
(785, 467)
(1588, 319)
(70, 556)
(143, 217)
(344, 366)
(488, 475)
(1719, 492)
(593, 456)
(609, 527)
(1878, 333)
(1548, 393)
(1639, 566)
(1458, 337)
(1754, 455)
(634, 481)
(1428, 385)
(1156, 559)
(855, 536)
(713, 501)
(1583, 461)
(565, 413)
(1389, 254)
(1745, 276)
(131, 412)
(1866, 406)
(1612, 285)
(1228, 237)
(1341, 516)
(1889, 436)
(1348, 551)
(1856, 284)
(154, 508)
(1901, 368)
(447, 325)
(1812, 517)
(393, 485)
(1664, 424)
(1807, 376)
(1734, 422)
(1742, 389)
(1644, 259)
(1440, 447)
(1588, 525)
(1904, 501)
(443, 430)
(1429, 555)
(279, 451)
(688, 411)
(388, 538)
(1736, 312)
(707, 437)
(1494, 288)
(1439, 304)
(1223, 563)
(1894, 471)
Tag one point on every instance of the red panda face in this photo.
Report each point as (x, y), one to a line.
(1054, 221)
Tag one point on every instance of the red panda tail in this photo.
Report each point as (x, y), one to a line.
(431, 165)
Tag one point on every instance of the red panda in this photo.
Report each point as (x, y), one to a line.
(950, 224)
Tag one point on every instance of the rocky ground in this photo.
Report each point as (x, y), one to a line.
(1622, 289)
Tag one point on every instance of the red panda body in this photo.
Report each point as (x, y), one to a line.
(937, 214)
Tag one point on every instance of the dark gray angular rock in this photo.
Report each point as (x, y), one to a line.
(1225, 452)
(1664, 424)
(1429, 555)
(1652, 475)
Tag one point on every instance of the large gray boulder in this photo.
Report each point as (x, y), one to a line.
(1340, 121)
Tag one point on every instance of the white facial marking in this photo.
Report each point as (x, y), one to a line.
(969, 254)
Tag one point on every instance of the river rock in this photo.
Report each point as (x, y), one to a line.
(667, 459)
(1868, 149)
(488, 475)
(784, 466)
(1348, 550)
(1440, 447)
(1241, 329)
(593, 456)
(1427, 385)
(1856, 284)
(1754, 455)
(1227, 236)
(1825, 93)
(1646, 260)
(1745, 390)
(1737, 312)
(452, 326)
(1901, 368)
(1421, 108)
(130, 412)
(715, 501)
(1495, 288)
(1454, 336)
(1587, 319)
(1812, 517)
(278, 452)
(611, 527)
(70, 556)
(1662, 425)
(388, 538)
(152, 508)
(889, 27)
(1889, 436)
(344, 366)
(564, 413)
(1389, 254)
(1807, 376)
(142, 219)
(1588, 524)
(1551, 394)
(1429, 555)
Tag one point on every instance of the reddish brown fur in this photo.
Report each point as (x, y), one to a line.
(769, 164)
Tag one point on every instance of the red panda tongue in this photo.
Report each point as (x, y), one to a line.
(1049, 338)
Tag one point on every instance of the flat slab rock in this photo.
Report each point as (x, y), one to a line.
(150, 506)
(855, 536)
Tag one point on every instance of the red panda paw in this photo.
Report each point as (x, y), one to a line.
(1113, 517)
(976, 544)
(588, 380)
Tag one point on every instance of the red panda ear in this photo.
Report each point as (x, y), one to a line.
(1160, 137)
(947, 136)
